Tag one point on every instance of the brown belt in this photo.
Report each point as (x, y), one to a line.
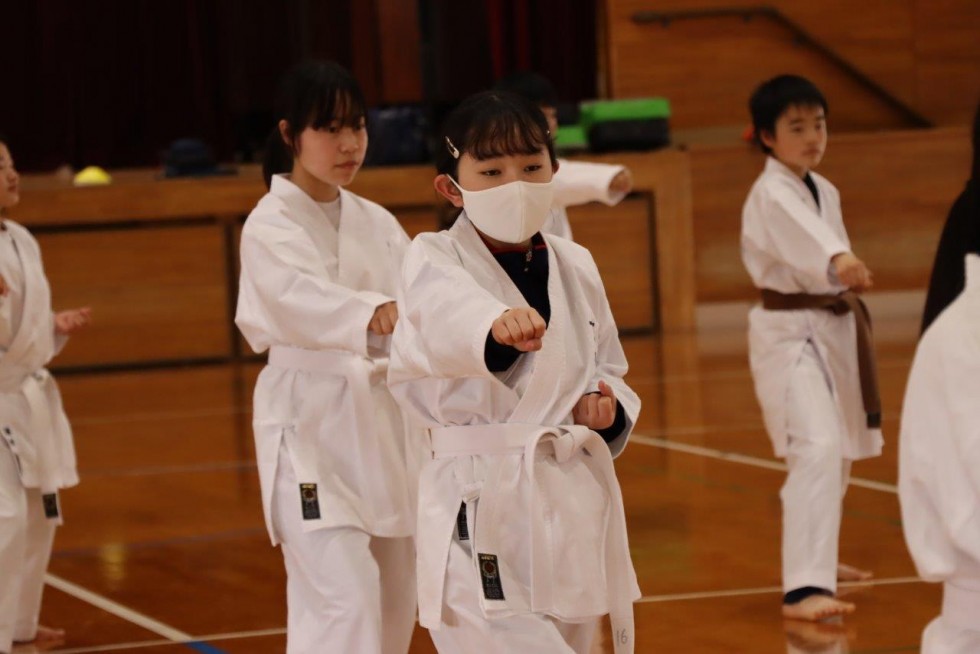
(844, 303)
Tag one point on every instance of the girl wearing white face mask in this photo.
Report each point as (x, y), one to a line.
(507, 351)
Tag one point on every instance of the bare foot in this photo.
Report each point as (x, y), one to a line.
(817, 607)
(46, 636)
(850, 573)
(48, 633)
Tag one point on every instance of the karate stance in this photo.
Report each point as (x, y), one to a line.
(508, 353)
(37, 457)
(336, 463)
(810, 347)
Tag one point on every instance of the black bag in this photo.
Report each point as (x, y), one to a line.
(619, 135)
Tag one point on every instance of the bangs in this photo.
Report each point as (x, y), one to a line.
(503, 134)
(344, 105)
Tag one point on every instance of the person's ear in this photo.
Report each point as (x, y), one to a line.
(767, 139)
(555, 166)
(284, 133)
(445, 187)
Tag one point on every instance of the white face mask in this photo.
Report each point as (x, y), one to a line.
(511, 213)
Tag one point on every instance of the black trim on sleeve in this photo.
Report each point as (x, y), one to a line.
(497, 357)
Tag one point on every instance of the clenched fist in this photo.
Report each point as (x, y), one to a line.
(384, 319)
(521, 328)
(596, 410)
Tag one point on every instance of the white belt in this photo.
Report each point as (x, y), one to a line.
(338, 362)
(41, 432)
(566, 441)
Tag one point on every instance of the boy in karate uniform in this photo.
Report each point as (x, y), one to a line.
(810, 348)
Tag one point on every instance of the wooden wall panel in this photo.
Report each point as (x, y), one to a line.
(924, 52)
(155, 293)
(620, 239)
(708, 68)
(896, 189)
(150, 256)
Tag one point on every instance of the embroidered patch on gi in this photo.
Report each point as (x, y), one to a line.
(50, 505)
(490, 576)
(310, 501)
(461, 527)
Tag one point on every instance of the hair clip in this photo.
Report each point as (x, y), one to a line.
(452, 148)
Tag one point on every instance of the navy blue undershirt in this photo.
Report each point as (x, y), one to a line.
(528, 269)
(810, 184)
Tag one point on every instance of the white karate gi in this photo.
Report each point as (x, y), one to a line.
(37, 457)
(939, 468)
(579, 182)
(505, 445)
(326, 428)
(804, 365)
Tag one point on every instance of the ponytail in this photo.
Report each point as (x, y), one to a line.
(278, 157)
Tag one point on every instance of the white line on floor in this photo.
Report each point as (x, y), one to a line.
(735, 457)
(117, 609)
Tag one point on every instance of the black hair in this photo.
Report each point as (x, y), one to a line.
(536, 88)
(773, 97)
(312, 94)
(492, 124)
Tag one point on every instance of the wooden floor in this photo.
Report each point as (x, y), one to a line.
(164, 548)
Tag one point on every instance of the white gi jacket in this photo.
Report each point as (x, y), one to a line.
(939, 447)
(307, 293)
(507, 439)
(787, 244)
(579, 182)
(32, 419)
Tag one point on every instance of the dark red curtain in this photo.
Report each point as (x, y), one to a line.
(113, 83)
(471, 43)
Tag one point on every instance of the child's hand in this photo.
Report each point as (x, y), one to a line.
(622, 182)
(3, 287)
(384, 319)
(67, 322)
(521, 328)
(852, 272)
(596, 410)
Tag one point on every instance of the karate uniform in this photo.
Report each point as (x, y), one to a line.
(579, 182)
(804, 365)
(939, 467)
(539, 552)
(337, 462)
(37, 457)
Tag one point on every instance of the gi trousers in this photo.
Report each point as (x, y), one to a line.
(814, 489)
(346, 590)
(26, 538)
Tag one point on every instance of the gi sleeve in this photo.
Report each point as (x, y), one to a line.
(581, 182)
(286, 295)
(796, 235)
(446, 314)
